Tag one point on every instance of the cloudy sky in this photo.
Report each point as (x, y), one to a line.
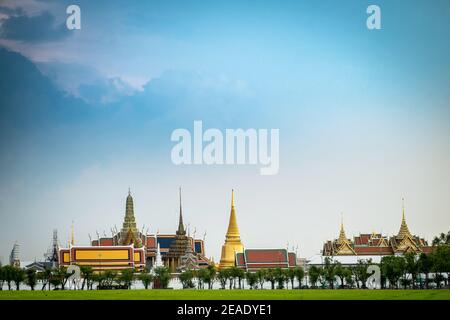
(86, 114)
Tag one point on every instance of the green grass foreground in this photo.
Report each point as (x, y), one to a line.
(228, 295)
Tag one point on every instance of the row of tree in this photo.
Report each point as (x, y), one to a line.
(233, 278)
(59, 278)
(407, 271)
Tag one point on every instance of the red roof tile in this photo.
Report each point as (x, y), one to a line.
(265, 255)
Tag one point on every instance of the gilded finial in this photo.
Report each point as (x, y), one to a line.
(232, 197)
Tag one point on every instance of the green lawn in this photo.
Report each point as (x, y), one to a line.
(230, 294)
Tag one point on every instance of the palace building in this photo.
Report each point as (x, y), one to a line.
(376, 244)
(234, 253)
(130, 248)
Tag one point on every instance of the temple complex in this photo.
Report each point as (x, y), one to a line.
(235, 255)
(130, 248)
(233, 242)
(376, 244)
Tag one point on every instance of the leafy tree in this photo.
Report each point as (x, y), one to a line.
(60, 277)
(261, 277)
(252, 279)
(45, 277)
(99, 278)
(314, 274)
(202, 277)
(299, 274)
(18, 277)
(31, 278)
(280, 277)
(86, 273)
(223, 276)
(240, 274)
(232, 274)
(8, 274)
(441, 263)
(425, 265)
(186, 279)
(360, 272)
(442, 239)
(290, 276)
(2, 277)
(126, 277)
(340, 272)
(146, 279)
(393, 267)
(329, 272)
(411, 267)
(162, 276)
(349, 278)
(270, 276)
(109, 276)
(211, 277)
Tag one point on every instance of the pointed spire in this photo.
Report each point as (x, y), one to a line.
(129, 207)
(404, 231)
(181, 230)
(233, 242)
(233, 230)
(232, 198)
(342, 237)
(72, 237)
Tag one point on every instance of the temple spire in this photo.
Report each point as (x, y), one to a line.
(232, 198)
(181, 230)
(129, 232)
(72, 237)
(233, 242)
(342, 237)
(404, 230)
(233, 230)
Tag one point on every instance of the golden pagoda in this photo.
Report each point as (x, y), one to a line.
(233, 242)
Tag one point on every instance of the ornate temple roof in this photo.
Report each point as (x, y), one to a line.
(254, 259)
(404, 231)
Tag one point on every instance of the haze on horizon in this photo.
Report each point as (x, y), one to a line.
(86, 114)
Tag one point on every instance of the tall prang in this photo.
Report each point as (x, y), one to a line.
(178, 246)
(233, 242)
(129, 233)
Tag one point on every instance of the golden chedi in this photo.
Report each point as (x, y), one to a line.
(233, 242)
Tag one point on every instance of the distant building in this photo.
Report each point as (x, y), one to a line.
(14, 259)
(375, 244)
(255, 259)
(130, 248)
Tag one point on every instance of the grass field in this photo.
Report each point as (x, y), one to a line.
(229, 295)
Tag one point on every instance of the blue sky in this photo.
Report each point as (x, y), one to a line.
(85, 114)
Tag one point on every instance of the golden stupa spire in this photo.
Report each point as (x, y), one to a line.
(233, 230)
(233, 242)
(342, 237)
(404, 231)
